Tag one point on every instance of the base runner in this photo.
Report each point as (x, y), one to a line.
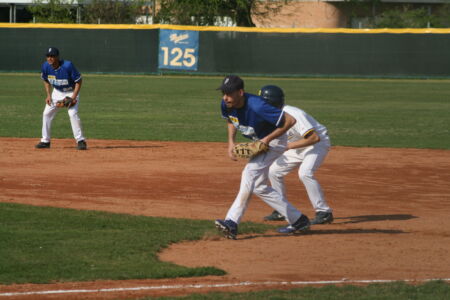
(308, 145)
(256, 120)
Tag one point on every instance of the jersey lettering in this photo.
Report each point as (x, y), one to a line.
(234, 120)
(58, 82)
(256, 119)
(63, 78)
(247, 131)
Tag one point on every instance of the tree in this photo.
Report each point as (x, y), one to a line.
(206, 12)
(240, 11)
(112, 11)
(188, 12)
(443, 16)
(406, 17)
(55, 11)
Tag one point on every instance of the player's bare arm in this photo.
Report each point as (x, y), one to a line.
(48, 91)
(288, 121)
(231, 139)
(76, 89)
(309, 139)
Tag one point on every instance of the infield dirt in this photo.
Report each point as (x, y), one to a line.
(391, 209)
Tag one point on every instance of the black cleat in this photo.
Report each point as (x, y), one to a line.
(322, 217)
(301, 225)
(228, 228)
(82, 145)
(43, 145)
(274, 216)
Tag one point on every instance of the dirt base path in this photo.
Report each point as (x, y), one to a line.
(391, 210)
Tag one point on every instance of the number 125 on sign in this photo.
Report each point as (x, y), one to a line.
(183, 58)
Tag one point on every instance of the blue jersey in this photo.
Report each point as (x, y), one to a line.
(256, 119)
(63, 78)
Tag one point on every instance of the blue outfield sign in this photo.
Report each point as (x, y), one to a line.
(178, 49)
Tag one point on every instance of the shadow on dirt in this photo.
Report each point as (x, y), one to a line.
(373, 218)
(315, 231)
(124, 147)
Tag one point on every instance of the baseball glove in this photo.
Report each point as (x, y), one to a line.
(250, 150)
(66, 102)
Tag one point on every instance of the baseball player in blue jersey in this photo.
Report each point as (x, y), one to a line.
(308, 145)
(256, 120)
(66, 82)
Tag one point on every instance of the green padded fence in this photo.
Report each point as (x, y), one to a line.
(271, 52)
(128, 51)
(321, 54)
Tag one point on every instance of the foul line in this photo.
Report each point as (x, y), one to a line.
(209, 286)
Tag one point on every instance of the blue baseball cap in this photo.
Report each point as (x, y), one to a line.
(231, 83)
(52, 51)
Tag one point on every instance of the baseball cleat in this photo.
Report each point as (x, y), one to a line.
(301, 225)
(82, 145)
(274, 216)
(43, 145)
(228, 228)
(322, 217)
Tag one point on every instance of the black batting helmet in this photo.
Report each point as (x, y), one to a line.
(273, 95)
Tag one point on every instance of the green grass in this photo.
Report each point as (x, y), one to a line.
(44, 244)
(40, 245)
(375, 112)
(434, 290)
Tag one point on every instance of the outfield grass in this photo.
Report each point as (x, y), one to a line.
(375, 112)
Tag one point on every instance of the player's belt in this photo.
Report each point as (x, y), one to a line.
(67, 89)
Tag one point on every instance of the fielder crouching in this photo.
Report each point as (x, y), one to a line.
(256, 120)
(61, 79)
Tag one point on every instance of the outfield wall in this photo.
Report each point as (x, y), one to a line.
(139, 49)
(104, 51)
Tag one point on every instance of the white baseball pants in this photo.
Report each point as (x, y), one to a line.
(50, 112)
(255, 180)
(309, 160)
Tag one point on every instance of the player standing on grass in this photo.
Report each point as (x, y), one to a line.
(307, 148)
(66, 82)
(257, 120)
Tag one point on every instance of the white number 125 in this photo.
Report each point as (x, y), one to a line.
(178, 58)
